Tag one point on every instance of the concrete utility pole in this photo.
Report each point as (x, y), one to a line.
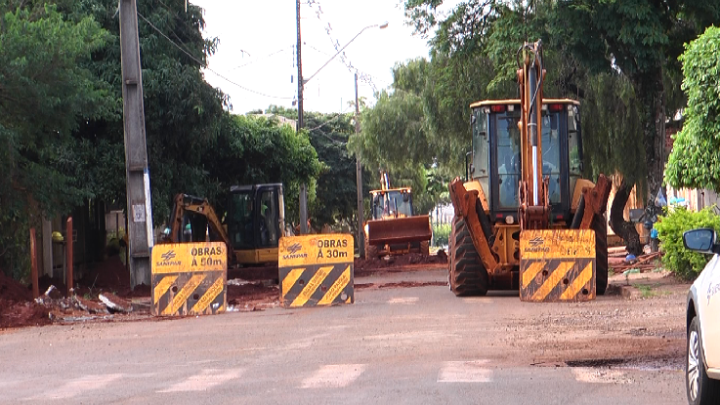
(301, 84)
(358, 176)
(139, 211)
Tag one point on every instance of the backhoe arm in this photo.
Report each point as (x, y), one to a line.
(187, 203)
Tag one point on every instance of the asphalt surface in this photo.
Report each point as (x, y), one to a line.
(393, 346)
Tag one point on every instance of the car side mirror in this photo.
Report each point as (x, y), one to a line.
(700, 240)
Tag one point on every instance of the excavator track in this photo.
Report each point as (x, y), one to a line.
(467, 275)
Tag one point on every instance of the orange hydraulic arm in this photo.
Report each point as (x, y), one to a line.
(186, 203)
(534, 199)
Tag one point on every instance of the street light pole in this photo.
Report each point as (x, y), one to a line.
(360, 238)
(301, 84)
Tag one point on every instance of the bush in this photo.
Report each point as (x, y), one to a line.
(684, 263)
(441, 233)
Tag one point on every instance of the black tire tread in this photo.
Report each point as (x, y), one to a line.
(467, 275)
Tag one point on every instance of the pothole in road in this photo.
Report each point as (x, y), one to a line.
(665, 364)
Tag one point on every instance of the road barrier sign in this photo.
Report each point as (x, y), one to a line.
(189, 279)
(557, 265)
(316, 270)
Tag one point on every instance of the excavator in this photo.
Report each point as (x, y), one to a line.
(254, 223)
(525, 218)
(394, 229)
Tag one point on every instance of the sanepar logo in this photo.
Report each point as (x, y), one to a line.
(168, 255)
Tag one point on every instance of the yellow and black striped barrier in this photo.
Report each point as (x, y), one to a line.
(189, 279)
(557, 265)
(316, 270)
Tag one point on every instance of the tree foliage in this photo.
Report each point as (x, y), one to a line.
(45, 91)
(642, 39)
(335, 201)
(671, 227)
(61, 123)
(617, 57)
(695, 159)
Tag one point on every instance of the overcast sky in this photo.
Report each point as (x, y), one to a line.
(256, 50)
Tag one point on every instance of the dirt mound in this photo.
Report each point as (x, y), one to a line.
(46, 281)
(14, 314)
(11, 290)
(398, 261)
(111, 274)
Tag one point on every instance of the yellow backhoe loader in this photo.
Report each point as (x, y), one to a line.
(525, 218)
(394, 229)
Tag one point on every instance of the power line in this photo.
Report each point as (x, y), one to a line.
(203, 64)
(337, 115)
(363, 77)
(370, 79)
(263, 57)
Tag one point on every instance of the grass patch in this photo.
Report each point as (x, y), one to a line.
(648, 290)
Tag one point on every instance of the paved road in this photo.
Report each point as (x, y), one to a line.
(393, 346)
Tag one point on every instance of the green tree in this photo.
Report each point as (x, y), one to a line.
(695, 158)
(184, 115)
(45, 91)
(335, 201)
(642, 39)
(259, 150)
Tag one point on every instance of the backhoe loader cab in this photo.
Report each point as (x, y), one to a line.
(395, 203)
(394, 229)
(485, 248)
(255, 222)
(496, 156)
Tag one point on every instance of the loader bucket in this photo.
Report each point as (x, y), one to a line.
(399, 230)
(557, 265)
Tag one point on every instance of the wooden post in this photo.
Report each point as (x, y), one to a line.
(33, 264)
(69, 246)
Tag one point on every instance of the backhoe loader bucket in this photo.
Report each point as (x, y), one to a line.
(399, 231)
(557, 265)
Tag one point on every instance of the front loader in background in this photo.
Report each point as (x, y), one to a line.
(526, 219)
(394, 229)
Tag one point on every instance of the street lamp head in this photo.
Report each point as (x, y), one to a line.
(383, 25)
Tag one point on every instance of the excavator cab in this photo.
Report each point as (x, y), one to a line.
(252, 228)
(255, 222)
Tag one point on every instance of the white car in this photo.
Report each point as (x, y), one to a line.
(702, 377)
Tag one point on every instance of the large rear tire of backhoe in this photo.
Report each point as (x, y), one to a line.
(599, 225)
(425, 248)
(467, 274)
(371, 252)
